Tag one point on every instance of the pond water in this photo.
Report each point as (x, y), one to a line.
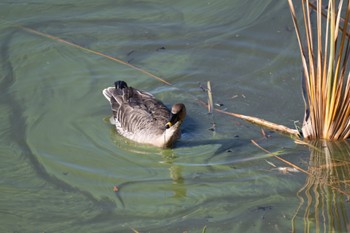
(65, 169)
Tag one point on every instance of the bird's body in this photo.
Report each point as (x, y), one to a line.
(140, 117)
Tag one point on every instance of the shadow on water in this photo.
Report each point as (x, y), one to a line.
(324, 198)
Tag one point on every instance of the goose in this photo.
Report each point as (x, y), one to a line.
(140, 117)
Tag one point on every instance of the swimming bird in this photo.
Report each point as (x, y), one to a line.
(139, 116)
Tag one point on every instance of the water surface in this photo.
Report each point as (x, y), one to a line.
(61, 158)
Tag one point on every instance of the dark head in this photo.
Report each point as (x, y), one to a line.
(178, 114)
(120, 84)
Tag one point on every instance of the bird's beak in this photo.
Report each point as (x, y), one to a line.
(172, 120)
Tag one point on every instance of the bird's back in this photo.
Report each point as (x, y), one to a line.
(137, 114)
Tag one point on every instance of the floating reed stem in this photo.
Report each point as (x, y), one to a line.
(210, 99)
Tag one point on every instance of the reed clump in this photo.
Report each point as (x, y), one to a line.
(324, 48)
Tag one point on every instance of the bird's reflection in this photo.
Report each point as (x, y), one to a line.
(175, 172)
(169, 158)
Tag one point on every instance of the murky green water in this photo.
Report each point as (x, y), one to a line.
(61, 158)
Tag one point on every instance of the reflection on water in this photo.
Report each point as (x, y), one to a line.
(324, 197)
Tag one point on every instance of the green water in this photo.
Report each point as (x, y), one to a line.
(60, 158)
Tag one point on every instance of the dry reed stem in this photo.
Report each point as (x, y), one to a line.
(310, 174)
(279, 158)
(94, 52)
(260, 122)
(210, 98)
